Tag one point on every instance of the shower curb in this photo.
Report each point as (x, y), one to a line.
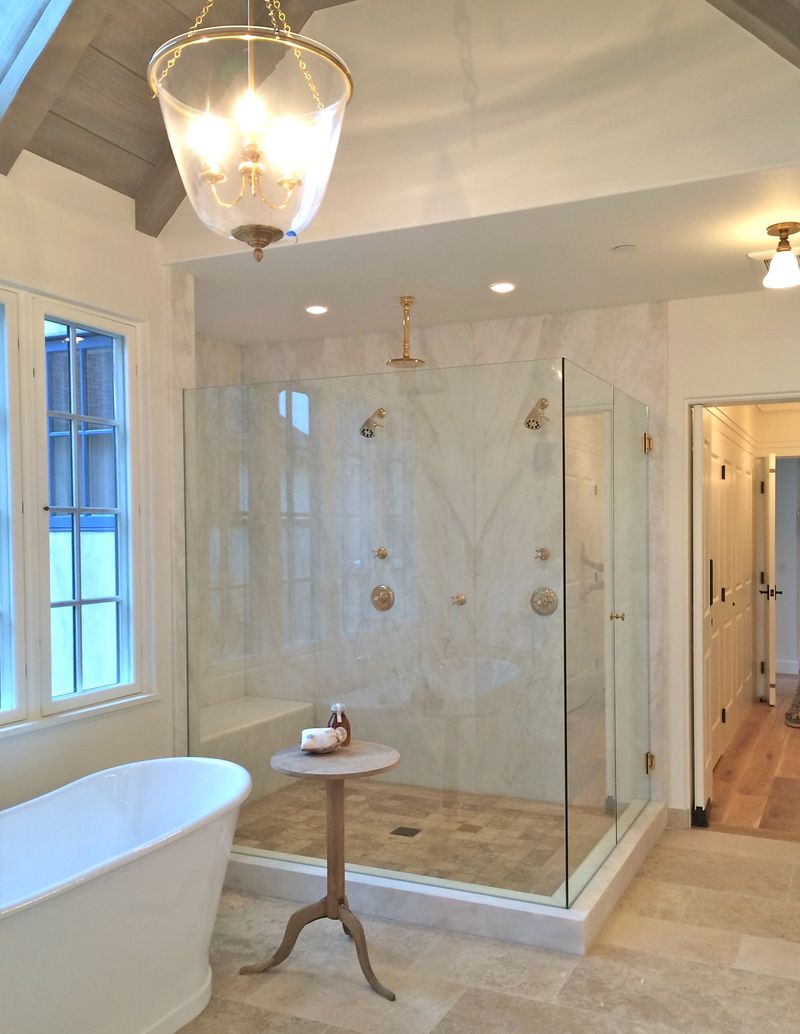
(524, 922)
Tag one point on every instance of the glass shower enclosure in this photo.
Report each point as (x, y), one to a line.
(459, 557)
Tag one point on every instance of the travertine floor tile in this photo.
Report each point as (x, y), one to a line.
(670, 938)
(496, 965)
(481, 1012)
(760, 917)
(717, 871)
(238, 1018)
(654, 898)
(691, 997)
(768, 955)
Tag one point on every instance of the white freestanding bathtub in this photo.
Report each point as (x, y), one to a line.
(108, 891)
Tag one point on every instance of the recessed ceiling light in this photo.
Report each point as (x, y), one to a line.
(316, 310)
(502, 287)
(623, 249)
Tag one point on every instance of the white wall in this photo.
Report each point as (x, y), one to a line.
(723, 348)
(67, 237)
(786, 571)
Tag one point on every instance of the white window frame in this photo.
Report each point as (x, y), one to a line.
(27, 377)
(9, 356)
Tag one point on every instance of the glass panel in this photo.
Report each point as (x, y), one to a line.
(519, 673)
(96, 372)
(100, 652)
(630, 597)
(59, 376)
(99, 462)
(460, 493)
(98, 555)
(588, 530)
(62, 650)
(59, 455)
(62, 560)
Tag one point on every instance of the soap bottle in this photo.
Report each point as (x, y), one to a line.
(339, 719)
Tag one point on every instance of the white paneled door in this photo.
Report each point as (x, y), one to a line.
(724, 590)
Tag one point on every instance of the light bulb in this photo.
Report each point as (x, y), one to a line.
(209, 138)
(287, 144)
(250, 115)
(783, 270)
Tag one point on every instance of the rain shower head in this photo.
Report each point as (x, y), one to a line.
(536, 417)
(372, 423)
(406, 361)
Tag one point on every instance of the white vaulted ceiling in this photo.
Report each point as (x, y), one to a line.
(522, 140)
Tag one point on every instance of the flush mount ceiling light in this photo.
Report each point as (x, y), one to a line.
(316, 310)
(783, 268)
(502, 287)
(253, 117)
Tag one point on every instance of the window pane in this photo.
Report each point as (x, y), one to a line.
(8, 696)
(100, 654)
(59, 456)
(98, 555)
(96, 366)
(58, 367)
(62, 647)
(61, 558)
(99, 464)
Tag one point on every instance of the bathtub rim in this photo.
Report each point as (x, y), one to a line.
(83, 876)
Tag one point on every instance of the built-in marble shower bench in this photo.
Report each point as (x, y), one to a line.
(249, 730)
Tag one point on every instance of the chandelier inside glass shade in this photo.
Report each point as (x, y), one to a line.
(253, 116)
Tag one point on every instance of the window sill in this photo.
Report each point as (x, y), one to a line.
(98, 710)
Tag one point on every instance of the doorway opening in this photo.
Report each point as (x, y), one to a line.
(746, 617)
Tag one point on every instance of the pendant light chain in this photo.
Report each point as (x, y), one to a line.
(279, 24)
(177, 52)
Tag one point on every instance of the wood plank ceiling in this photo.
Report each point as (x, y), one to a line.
(75, 92)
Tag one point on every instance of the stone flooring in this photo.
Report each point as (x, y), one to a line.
(706, 941)
(506, 842)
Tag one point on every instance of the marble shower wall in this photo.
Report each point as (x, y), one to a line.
(625, 346)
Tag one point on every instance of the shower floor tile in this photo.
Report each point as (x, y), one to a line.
(505, 842)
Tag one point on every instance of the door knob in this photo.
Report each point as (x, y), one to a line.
(617, 617)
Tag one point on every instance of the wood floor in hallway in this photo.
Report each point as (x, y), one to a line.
(757, 780)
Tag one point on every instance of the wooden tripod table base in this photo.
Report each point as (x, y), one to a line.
(358, 759)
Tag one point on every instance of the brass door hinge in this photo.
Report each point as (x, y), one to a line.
(649, 762)
(647, 443)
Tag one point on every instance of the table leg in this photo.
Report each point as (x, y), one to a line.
(334, 905)
(302, 917)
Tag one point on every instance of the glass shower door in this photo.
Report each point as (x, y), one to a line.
(631, 655)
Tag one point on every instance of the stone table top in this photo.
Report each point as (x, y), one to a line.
(359, 758)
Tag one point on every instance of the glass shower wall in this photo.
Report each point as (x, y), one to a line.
(448, 488)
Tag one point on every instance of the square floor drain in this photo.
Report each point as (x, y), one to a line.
(405, 831)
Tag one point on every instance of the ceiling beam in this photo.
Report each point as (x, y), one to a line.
(162, 191)
(775, 22)
(41, 68)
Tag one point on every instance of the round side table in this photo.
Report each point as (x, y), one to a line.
(355, 761)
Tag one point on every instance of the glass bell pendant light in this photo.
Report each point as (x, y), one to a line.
(253, 117)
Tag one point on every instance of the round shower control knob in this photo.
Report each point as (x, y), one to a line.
(544, 600)
(382, 597)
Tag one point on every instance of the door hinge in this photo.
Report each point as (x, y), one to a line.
(722, 594)
(724, 715)
(647, 443)
(763, 667)
(649, 762)
(723, 471)
(762, 487)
